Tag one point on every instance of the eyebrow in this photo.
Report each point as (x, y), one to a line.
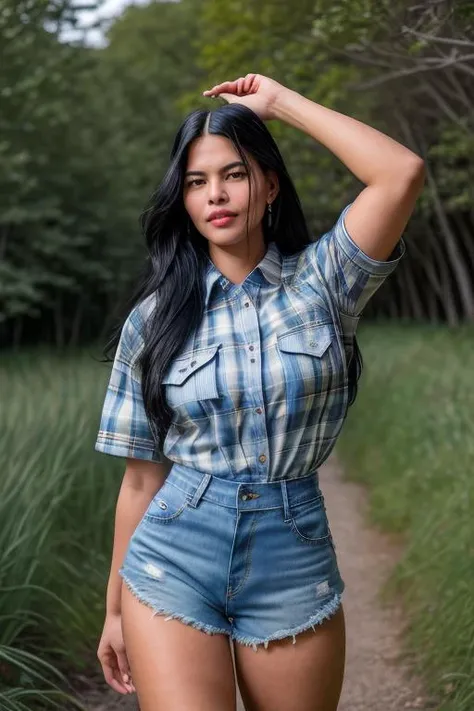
(222, 170)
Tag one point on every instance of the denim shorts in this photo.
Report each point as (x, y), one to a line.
(256, 562)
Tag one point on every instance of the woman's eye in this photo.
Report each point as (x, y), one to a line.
(195, 181)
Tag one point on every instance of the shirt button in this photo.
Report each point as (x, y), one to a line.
(258, 410)
(251, 348)
(193, 363)
(246, 303)
(262, 458)
(252, 360)
(244, 497)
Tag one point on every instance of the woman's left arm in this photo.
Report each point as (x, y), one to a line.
(393, 174)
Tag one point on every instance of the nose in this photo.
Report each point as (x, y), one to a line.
(217, 194)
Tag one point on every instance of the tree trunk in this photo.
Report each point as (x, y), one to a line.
(77, 322)
(58, 323)
(17, 333)
(459, 268)
(447, 297)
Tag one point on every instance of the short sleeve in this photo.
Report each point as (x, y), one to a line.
(352, 276)
(124, 429)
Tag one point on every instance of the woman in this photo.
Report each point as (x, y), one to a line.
(230, 385)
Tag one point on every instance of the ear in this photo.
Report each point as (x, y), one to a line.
(273, 185)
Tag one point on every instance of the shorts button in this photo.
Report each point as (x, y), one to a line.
(262, 458)
(258, 410)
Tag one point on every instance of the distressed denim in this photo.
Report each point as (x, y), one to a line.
(254, 561)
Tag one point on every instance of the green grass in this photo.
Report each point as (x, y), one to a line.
(56, 509)
(410, 438)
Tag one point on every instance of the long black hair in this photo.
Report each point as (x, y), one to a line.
(177, 251)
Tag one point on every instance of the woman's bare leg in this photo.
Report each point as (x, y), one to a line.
(174, 666)
(305, 676)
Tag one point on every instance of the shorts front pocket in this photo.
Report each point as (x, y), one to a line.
(167, 505)
(309, 522)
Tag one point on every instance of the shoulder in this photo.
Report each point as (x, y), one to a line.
(132, 338)
(141, 313)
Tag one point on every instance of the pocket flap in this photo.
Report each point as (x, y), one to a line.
(313, 340)
(183, 367)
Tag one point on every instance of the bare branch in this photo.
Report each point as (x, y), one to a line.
(443, 105)
(363, 59)
(466, 69)
(440, 40)
(457, 61)
(450, 75)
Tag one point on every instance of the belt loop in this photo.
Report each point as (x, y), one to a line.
(286, 506)
(200, 490)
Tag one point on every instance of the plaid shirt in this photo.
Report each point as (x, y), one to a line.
(259, 392)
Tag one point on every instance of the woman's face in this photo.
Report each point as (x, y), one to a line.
(216, 179)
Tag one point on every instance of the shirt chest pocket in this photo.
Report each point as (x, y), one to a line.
(192, 377)
(309, 354)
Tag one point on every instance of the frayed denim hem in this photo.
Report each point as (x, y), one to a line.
(170, 615)
(324, 613)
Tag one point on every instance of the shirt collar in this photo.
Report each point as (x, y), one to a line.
(267, 270)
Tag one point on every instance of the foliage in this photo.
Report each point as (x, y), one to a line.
(83, 139)
(85, 135)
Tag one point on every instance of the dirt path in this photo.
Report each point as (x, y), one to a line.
(376, 677)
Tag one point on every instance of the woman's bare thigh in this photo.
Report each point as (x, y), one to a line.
(174, 666)
(305, 676)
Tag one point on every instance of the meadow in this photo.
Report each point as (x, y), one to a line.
(57, 506)
(409, 438)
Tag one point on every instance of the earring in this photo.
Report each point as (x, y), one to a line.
(269, 214)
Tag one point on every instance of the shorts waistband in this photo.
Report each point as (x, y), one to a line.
(244, 496)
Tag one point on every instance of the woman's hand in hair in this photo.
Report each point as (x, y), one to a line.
(256, 91)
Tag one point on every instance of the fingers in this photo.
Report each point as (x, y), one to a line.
(116, 672)
(125, 670)
(229, 86)
(249, 78)
(113, 678)
(238, 87)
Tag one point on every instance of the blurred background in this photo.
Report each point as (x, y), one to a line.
(91, 95)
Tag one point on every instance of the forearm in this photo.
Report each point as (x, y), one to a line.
(369, 154)
(132, 503)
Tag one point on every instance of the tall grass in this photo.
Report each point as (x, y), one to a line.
(410, 437)
(56, 512)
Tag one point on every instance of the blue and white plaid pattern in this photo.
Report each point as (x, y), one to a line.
(259, 392)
